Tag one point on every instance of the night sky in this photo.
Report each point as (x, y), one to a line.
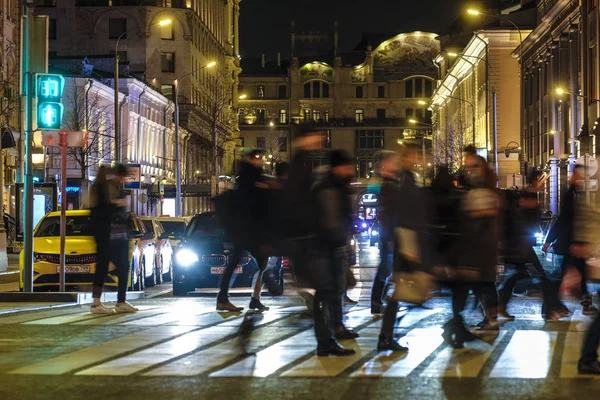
(265, 24)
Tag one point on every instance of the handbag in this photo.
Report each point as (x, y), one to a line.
(412, 287)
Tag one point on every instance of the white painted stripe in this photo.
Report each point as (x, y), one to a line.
(420, 342)
(91, 355)
(122, 318)
(25, 317)
(79, 317)
(462, 363)
(160, 353)
(181, 314)
(528, 355)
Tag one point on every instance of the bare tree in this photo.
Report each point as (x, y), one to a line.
(215, 117)
(85, 111)
(9, 85)
(274, 147)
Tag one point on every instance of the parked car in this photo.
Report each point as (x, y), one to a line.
(80, 253)
(175, 227)
(163, 252)
(203, 254)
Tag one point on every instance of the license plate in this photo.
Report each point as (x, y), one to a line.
(75, 269)
(221, 270)
(500, 269)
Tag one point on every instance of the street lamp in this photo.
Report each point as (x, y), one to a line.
(177, 141)
(243, 96)
(118, 154)
(422, 102)
(560, 91)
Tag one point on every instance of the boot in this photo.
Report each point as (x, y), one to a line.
(387, 343)
(255, 304)
(588, 305)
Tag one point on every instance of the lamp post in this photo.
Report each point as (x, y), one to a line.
(118, 154)
(177, 142)
(415, 122)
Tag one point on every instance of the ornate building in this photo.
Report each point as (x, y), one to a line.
(163, 56)
(364, 100)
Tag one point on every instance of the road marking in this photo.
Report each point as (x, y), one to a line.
(121, 318)
(579, 322)
(332, 366)
(528, 355)
(205, 360)
(462, 363)
(91, 355)
(571, 354)
(412, 317)
(421, 343)
(181, 313)
(275, 357)
(21, 318)
(79, 317)
(160, 353)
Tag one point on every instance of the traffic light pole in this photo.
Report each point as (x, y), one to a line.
(28, 181)
(63, 208)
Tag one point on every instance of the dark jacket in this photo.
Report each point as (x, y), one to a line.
(334, 212)
(387, 196)
(251, 205)
(561, 234)
(300, 218)
(446, 220)
(521, 224)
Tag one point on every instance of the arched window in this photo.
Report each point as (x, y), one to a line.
(359, 92)
(325, 90)
(307, 90)
(381, 92)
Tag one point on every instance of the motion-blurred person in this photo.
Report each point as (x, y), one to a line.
(111, 218)
(412, 215)
(522, 224)
(334, 210)
(561, 238)
(389, 171)
(251, 207)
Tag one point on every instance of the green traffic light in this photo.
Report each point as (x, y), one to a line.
(49, 92)
(49, 115)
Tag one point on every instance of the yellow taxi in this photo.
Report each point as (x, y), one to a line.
(80, 253)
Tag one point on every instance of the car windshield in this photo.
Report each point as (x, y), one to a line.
(204, 226)
(76, 226)
(173, 227)
(148, 225)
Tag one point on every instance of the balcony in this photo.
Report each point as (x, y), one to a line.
(130, 3)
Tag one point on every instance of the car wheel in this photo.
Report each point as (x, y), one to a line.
(168, 276)
(151, 281)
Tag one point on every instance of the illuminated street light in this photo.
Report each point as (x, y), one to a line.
(560, 91)
(452, 54)
(400, 141)
(243, 96)
(473, 12)
(271, 124)
(413, 121)
(422, 102)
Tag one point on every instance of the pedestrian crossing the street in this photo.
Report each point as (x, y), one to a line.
(194, 340)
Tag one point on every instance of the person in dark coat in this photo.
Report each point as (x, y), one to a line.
(561, 238)
(334, 219)
(389, 170)
(251, 207)
(411, 211)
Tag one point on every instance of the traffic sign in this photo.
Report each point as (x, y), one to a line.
(592, 164)
(133, 180)
(73, 138)
(51, 138)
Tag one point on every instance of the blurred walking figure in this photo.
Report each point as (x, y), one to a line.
(410, 214)
(522, 225)
(389, 171)
(249, 202)
(561, 237)
(111, 228)
(334, 213)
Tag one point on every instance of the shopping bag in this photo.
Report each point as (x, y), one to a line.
(412, 287)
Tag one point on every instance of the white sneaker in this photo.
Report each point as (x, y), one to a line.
(123, 308)
(101, 310)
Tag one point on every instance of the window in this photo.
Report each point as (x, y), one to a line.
(282, 92)
(410, 113)
(365, 167)
(408, 89)
(45, 3)
(316, 89)
(166, 32)
(241, 89)
(283, 119)
(261, 143)
(52, 29)
(359, 116)
(381, 92)
(326, 144)
(325, 90)
(381, 114)
(316, 115)
(168, 91)
(307, 90)
(359, 92)
(419, 87)
(428, 88)
(306, 115)
(369, 139)
(419, 115)
(260, 92)
(117, 27)
(260, 116)
(283, 144)
(326, 115)
(167, 62)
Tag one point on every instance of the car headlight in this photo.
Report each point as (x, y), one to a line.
(186, 257)
(374, 233)
(352, 242)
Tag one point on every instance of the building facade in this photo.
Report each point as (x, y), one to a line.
(476, 103)
(364, 100)
(172, 57)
